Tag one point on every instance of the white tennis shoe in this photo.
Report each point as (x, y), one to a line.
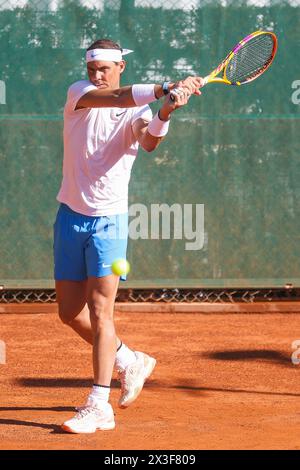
(91, 417)
(133, 377)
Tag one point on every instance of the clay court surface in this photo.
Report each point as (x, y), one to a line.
(222, 381)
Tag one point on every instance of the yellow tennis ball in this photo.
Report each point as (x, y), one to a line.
(120, 267)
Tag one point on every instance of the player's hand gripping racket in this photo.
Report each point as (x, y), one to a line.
(250, 58)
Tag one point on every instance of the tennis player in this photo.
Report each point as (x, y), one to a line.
(104, 124)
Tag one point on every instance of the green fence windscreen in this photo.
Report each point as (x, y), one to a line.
(234, 150)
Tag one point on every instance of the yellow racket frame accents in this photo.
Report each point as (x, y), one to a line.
(212, 78)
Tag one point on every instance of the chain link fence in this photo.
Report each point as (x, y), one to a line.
(211, 296)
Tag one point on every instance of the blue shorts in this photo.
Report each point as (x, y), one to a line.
(86, 246)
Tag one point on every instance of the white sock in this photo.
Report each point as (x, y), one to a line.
(99, 393)
(124, 357)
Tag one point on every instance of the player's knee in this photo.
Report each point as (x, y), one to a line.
(101, 313)
(64, 316)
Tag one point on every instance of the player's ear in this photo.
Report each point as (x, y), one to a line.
(122, 66)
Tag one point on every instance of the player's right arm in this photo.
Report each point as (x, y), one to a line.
(123, 97)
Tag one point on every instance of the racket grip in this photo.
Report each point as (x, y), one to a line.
(172, 98)
(205, 80)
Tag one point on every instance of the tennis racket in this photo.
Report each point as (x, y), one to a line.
(249, 59)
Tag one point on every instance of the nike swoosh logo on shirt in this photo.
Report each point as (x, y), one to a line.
(120, 114)
(106, 265)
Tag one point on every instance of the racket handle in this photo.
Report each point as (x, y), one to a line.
(205, 80)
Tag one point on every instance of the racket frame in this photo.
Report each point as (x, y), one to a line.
(212, 77)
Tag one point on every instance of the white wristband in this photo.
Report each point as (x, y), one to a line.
(143, 94)
(157, 127)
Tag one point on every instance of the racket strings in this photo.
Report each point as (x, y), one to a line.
(251, 59)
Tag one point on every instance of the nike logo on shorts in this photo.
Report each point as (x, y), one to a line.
(120, 114)
(106, 265)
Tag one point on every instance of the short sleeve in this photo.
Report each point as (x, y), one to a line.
(143, 112)
(76, 91)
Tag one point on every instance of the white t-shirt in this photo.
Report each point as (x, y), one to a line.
(99, 151)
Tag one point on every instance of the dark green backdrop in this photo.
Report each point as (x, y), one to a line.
(235, 150)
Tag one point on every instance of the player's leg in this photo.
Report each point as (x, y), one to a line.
(97, 412)
(100, 298)
(71, 241)
(99, 331)
(73, 311)
(70, 271)
(133, 367)
(100, 251)
(107, 244)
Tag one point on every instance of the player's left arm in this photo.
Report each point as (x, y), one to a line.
(147, 141)
(144, 136)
